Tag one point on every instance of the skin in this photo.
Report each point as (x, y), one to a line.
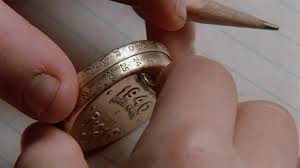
(198, 121)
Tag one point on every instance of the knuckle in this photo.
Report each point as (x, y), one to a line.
(217, 69)
(277, 110)
(269, 106)
(203, 66)
(190, 147)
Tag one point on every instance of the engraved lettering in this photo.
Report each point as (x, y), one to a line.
(139, 100)
(98, 126)
(137, 61)
(131, 93)
(96, 115)
(113, 133)
(84, 93)
(89, 70)
(124, 67)
(145, 106)
(133, 101)
(103, 61)
(131, 48)
(123, 90)
(110, 75)
(117, 53)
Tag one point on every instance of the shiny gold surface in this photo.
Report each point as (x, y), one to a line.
(114, 114)
(117, 96)
(150, 62)
(118, 55)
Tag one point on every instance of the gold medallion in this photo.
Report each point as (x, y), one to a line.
(117, 94)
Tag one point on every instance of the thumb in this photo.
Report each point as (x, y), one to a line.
(36, 76)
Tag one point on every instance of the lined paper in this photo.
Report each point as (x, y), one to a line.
(265, 64)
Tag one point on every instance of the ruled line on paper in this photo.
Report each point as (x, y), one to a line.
(4, 163)
(224, 56)
(283, 4)
(65, 26)
(103, 20)
(240, 75)
(260, 55)
(295, 42)
(289, 6)
(9, 144)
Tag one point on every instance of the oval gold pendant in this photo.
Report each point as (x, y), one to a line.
(117, 94)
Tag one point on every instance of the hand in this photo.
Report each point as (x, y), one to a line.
(36, 74)
(197, 123)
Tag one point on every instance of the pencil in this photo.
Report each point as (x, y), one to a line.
(212, 12)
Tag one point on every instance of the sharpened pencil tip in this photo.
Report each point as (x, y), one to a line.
(126, 2)
(270, 26)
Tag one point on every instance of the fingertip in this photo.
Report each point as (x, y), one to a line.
(47, 146)
(278, 111)
(179, 43)
(166, 14)
(264, 128)
(28, 136)
(44, 133)
(269, 115)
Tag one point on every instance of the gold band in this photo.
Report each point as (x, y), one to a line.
(116, 94)
(150, 62)
(138, 63)
(118, 55)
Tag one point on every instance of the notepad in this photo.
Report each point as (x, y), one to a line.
(265, 64)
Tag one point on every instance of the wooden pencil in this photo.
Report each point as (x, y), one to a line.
(212, 12)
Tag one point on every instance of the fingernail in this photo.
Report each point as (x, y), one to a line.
(40, 94)
(181, 10)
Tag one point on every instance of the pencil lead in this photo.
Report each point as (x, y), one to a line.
(270, 26)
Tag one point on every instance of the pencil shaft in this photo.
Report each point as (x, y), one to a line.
(212, 12)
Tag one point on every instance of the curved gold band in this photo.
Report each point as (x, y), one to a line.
(151, 62)
(138, 63)
(118, 55)
(115, 94)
